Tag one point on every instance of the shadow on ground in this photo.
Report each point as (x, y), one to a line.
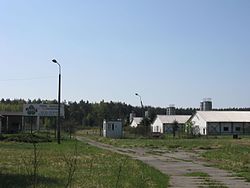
(22, 181)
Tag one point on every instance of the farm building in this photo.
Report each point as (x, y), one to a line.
(221, 122)
(112, 129)
(165, 123)
(136, 121)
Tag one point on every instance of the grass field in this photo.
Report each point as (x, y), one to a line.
(224, 152)
(95, 167)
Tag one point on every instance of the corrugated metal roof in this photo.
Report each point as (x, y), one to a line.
(225, 116)
(171, 118)
(137, 120)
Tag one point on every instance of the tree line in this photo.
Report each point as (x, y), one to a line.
(85, 113)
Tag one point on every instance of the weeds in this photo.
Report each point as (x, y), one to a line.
(120, 170)
(32, 165)
(71, 165)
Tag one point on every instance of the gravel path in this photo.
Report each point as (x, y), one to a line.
(177, 164)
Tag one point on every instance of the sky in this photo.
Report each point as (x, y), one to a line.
(169, 51)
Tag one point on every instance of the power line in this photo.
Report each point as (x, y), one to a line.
(27, 79)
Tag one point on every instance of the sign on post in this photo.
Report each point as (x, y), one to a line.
(43, 110)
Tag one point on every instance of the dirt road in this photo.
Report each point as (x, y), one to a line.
(177, 164)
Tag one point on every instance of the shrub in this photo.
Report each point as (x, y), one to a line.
(29, 138)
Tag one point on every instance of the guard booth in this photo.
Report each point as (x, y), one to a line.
(112, 129)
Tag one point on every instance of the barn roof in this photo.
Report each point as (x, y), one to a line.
(168, 119)
(225, 116)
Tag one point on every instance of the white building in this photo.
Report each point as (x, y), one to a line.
(164, 123)
(136, 121)
(221, 122)
(112, 129)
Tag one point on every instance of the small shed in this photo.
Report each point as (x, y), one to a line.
(112, 129)
(136, 121)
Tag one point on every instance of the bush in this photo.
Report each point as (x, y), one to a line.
(29, 138)
(1, 137)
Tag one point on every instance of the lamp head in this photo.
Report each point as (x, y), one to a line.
(136, 94)
(54, 61)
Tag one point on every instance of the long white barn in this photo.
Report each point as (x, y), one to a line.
(164, 123)
(221, 122)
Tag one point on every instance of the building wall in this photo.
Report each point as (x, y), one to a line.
(168, 128)
(228, 128)
(220, 128)
(247, 128)
(199, 124)
(112, 129)
(133, 124)
(157, 126)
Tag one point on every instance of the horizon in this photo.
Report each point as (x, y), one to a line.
(170, 52)
(136, 106)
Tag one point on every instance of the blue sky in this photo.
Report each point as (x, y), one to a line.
(169, 51)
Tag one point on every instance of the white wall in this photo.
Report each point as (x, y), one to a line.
(157, 126)
(199, 122)
(133, 124)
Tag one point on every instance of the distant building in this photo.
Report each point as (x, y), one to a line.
(165, 123)
(170, 110)
(136, 122)
(131, 117)
(221, 122)
(112, 129)
(206, 104)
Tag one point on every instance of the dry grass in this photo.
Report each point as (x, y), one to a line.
(95, 167)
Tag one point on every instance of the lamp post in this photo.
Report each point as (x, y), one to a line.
(59, 104)
(141, 103)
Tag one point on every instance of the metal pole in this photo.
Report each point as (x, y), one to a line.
(141, 104)
(59, 105)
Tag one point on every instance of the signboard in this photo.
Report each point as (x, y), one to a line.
(43, 110)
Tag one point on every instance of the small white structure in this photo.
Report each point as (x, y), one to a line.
(136, 121)
(112, 129)
(164, 123)
(221, 122)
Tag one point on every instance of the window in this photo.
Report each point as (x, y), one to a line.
(225, 129)
(237, 128)
(204, 131)
(113, 126)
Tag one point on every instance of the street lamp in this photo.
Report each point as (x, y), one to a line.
(141, 104)
(59, 104)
